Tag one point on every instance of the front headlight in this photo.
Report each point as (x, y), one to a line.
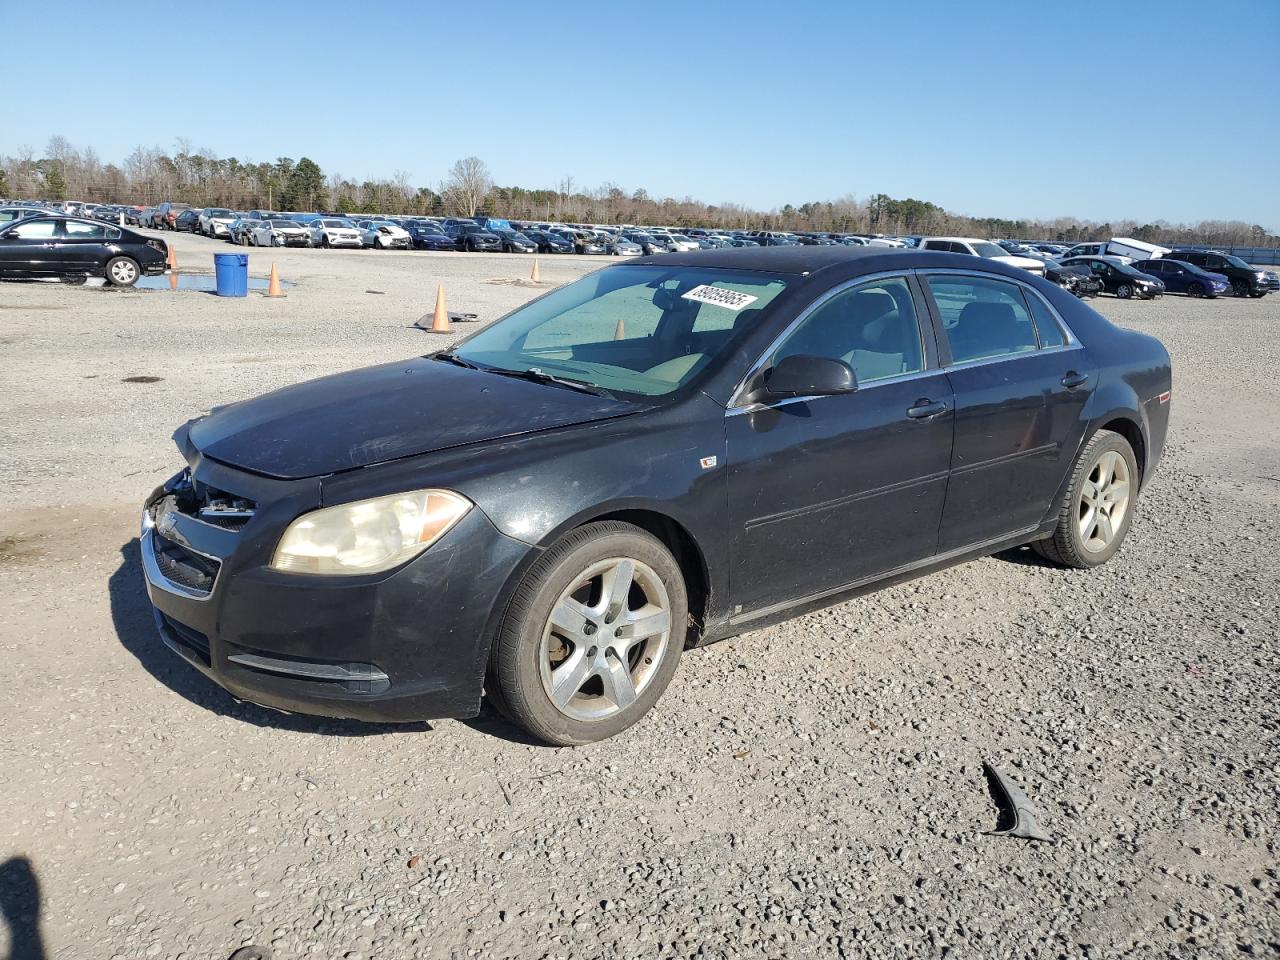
(368, 536)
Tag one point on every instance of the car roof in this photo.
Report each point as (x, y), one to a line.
(780, 260)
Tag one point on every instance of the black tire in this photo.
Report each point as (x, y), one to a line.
(469, 247)
(1240, 288)
(1124, 291)
(1066, 546)
(1195, 289)
(122, 271)
(1258, 294)
(325, 242)
(75, 281)
(514, 682)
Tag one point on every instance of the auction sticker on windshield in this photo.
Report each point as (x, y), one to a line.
(720, 297)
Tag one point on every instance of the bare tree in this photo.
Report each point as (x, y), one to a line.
(467, 186)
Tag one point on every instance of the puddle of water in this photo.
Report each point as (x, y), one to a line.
(201, 282)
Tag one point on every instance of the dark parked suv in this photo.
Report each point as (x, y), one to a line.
(166, 214)
(1246, 281)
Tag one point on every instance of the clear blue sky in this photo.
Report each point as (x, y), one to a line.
(1006, 109)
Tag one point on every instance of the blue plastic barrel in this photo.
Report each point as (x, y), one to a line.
(232, 272)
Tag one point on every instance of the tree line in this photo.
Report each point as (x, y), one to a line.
(199, 177)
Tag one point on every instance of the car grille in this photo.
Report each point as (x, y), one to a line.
(209, 505)
(185, 567)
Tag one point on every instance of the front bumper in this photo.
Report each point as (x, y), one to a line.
(292, 241)
(401, 646)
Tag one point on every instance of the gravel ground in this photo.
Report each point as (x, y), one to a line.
(813, 789)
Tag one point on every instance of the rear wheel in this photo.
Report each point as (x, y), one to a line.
(1195, 289)
(1096, 513)
(592, 636)
(122, 271)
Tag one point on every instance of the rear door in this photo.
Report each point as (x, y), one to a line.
(826, 492)
(84, 245)
(1021, 381)
(30, 248)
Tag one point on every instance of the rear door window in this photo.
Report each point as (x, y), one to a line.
(983, 318)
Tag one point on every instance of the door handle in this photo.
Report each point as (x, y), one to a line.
(1072, 379)
(926, 409)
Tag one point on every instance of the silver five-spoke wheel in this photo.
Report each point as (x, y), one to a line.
(605, 639)
(1104, 500)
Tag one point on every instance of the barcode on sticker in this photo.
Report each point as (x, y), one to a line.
(720, 297)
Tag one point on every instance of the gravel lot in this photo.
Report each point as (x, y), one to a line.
(814, 789)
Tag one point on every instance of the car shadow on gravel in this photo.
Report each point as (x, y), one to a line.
(136, 630)
(1025, 556)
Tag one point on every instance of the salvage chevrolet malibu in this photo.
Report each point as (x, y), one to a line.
(662, 454)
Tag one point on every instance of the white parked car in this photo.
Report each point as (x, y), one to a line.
(384, 235)
(682, 244)
(891, 242)
(981, 248)
(335, 232)
(216, 222)
(281, 233)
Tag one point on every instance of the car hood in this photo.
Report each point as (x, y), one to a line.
(383, 413)
(1023, 262)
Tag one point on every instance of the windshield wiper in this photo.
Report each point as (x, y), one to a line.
(540, 376)
(448, 356)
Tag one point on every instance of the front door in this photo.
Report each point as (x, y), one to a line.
(1020, 382)
(30, 248)
(825, 492)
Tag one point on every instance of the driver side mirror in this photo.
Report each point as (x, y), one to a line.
(807, 376)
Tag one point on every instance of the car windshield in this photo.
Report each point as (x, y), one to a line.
(643, 330)
(221, 213)
(335, 223)
(282, 223)
(990, 249)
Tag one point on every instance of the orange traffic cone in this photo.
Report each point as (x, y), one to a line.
(273, 285)
(536, 277)
(440, 322)
(620, 331)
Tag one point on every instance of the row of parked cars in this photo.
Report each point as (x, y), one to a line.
(1121, 266)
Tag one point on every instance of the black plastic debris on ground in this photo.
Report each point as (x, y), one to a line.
(424, 322)
(1017, 816)
(142, 379)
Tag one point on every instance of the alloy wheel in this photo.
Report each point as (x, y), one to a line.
(123, 272)
(1104, 501)
(1124, 291)
(605, 638)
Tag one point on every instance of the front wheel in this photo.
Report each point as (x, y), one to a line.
(1195, 290)
(1124, 291)
(592, 636)
(1240, 288)
(1098, 509)
(122, 271)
